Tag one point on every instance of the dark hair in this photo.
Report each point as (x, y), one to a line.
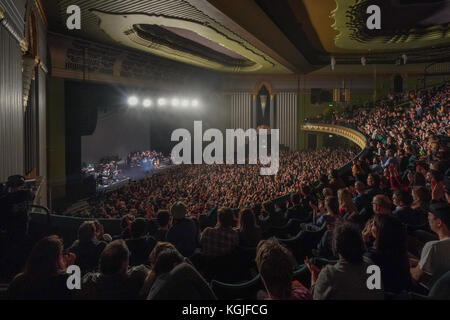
(391, 238)
(86, 232)
(126, 219)
(376, 179)
(404, 197)
(44, 259)
(417, 180)
(163, 218)
(275, 264)
(166, 260)
(138, 228)
(247, 219)
(268, 207)
(295, 198)
(323, 179)
(347, 242)
(437, 175)
(225, 217)
(391, 241)
(113, 257)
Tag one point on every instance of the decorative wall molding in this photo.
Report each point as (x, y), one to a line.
(11, 29)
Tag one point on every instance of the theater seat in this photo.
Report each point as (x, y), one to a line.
(3, 291)
(302, 275)
(441, 289)
(290, 229)
(246, 290)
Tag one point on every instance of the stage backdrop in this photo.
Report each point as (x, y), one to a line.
(117, 133)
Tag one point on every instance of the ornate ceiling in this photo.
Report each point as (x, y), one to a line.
(264, 36)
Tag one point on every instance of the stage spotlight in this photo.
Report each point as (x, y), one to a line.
(175, 102)
(185, 103)
(133, 101)
(162, 102)
(195, 103)
(147, 103)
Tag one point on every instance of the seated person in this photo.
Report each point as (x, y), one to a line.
(324, 247)
(330, 207)
(115, 281)
(361, 200)
(221, 239)
(275, 264)
(272, 217)
(403, 211)
(347, 279)
(435, 257)
(249, 232)
(183, 233)
(45, 276)
(297, 211)
(164, 223)
(87, 248)
(175, 279)
(390, 253)
(139, 245)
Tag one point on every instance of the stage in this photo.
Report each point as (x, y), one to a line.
(128, 174)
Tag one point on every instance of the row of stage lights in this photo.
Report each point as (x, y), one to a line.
(134, 101)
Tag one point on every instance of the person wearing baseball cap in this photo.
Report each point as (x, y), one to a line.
(184, 233)
(435, 257)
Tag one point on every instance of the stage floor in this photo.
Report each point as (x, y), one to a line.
(131, 174)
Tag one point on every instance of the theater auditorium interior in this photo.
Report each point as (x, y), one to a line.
(238, 150)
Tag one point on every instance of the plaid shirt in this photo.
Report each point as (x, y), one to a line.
(217, 241)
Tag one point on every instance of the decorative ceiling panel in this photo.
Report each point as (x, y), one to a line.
(104, 21)
(406, 25)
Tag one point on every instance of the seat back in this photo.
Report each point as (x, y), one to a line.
(441, 289)
(245, 291)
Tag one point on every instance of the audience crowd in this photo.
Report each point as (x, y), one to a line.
(391, 211)
(204, 187)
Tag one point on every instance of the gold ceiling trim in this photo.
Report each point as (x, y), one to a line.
(414, 39)
(120, 27)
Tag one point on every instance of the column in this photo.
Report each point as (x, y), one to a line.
(254, 113)
(272, 111)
